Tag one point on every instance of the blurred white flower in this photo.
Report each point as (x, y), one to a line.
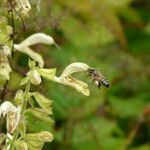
(68, 80)
(32, 40)
(13, 115)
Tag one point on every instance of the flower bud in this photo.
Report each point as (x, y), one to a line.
(34, 77)
(45, 136)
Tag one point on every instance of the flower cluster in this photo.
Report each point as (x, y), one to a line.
(29, 107)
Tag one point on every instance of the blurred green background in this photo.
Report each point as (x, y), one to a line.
(114, 37)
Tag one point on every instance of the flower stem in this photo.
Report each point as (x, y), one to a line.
(26, 96)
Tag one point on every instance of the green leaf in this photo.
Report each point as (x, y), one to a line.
(126, 108)
(44, 102)
(38, 120)
(24, 81)
(31, 64)
(47, 73)
(35, 141)
(22, 127)
(19, 97)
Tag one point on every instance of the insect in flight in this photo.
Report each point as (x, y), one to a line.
(98, 78)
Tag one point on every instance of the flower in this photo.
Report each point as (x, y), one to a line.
(32, 40)
(13, 115)
(67, 79)
(34, 77)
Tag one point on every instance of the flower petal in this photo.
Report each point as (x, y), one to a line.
(26, 50)
(68, 80)
(34, 77)
(79, 85)
(74, 67)
(7, 107)
(13, 119)
(37, 38)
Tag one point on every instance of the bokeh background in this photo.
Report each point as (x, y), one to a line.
(114, 37)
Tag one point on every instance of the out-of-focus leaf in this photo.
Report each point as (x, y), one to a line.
(143, 147)
(126, 107)
(104, 14)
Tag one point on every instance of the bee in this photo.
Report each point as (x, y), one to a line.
(98, 78)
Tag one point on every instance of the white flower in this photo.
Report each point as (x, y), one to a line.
(34, 77)
(68, 80)
(32, 40)
(13, 115)
(6, 107)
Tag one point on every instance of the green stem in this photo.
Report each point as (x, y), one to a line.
(26, 96)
